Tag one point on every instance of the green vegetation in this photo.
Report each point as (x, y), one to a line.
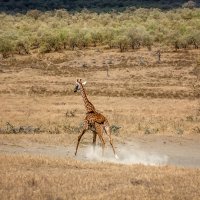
(94, 5)
(131, 29)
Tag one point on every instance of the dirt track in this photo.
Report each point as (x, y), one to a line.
(149, 150)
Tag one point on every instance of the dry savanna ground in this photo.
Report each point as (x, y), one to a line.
(28, 177)
(139, 95)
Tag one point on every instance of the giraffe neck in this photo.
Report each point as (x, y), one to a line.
(88, 105)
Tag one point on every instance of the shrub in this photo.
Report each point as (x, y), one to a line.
(194, 38)
(22, 47)
(34, 42)
(73, 40)
(109, 37)
(61, 13)
(96, 37)
(63, 37)
(49, 42)
(147, 41)
(139, 36)
(178, 39)
(6, 47)
(79, 38)
(122, 42)
(134, 38)
(83, 38)
(59, 29)
(179, 42)
(35, 14)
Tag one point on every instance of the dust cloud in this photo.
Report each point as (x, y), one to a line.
(126, 155)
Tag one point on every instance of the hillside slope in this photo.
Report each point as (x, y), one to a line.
(97, 5)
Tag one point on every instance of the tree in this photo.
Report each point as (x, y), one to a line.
(190, 4)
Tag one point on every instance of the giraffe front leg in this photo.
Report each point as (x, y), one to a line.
(80, 136)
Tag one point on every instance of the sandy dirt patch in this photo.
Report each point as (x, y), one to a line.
(147, 150)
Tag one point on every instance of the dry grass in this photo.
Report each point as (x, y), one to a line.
(27, 177)
(141, 97)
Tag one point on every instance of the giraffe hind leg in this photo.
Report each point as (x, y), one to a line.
(94, 140)
(99, 131)
(107, 130)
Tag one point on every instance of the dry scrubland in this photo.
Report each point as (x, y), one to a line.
(139, 95)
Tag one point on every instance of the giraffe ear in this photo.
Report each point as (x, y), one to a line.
(84, 82)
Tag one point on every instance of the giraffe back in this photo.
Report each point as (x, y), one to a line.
(95, 117)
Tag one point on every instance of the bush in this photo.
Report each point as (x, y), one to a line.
(34, 42)
(59, 29)
(35, 14)
(79, 38)
(6, 47)
(63, 37)
(109, 37)
(49, 42)
(147, 41)
(22, 47)
(179, 41)
(134, 36)
(96, 37)
(83, 38)
(139, 36)
(194, 38)
(73, 40)
(62, 13)
(122, 42)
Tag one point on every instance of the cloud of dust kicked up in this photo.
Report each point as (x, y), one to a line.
(126, 155)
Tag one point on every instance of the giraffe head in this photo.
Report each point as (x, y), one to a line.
(78, 85)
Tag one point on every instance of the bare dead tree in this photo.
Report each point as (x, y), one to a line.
(108, 64)
(107, 70)
(158, 54)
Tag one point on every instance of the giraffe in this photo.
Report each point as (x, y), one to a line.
(94, 121)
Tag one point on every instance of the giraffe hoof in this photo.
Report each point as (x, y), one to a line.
(116, 157)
